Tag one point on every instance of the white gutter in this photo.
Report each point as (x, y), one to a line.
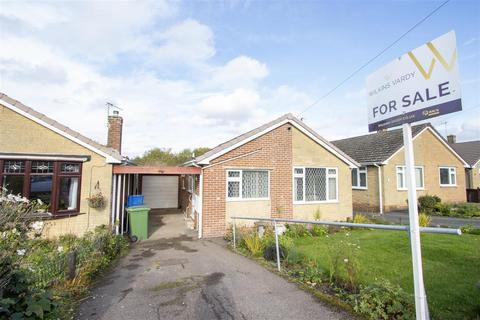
(380, 191)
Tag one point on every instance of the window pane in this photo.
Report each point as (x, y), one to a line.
(315, 184)
(400, 182)
(13, 184)
(42, 167)
(41, 188)
(70, 168)
(233, 174)
(233, 189)
(68, 193)
(12, 166)
(354, 177)
(419, 177)
(298, 171)
(298, 189)
(332, 188)
(363, 179)
(254, 184)
(444, 176)
(452, 176)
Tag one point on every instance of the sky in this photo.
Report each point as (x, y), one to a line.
(196, 73)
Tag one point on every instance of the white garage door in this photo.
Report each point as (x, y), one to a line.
(160, 191)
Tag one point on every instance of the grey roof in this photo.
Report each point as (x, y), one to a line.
(290, 117)
(110, 151)
(469, 151)
(375, 147)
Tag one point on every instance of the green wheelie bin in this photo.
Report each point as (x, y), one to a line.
(138, 216)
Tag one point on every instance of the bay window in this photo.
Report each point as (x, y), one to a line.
(55, 183)
(359, 178)
(315, 184)
(402, 178)
(448, 176)
(247, 184)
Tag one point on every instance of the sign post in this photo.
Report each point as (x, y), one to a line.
(422, 84)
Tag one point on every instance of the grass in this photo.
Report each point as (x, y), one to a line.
(451, 265)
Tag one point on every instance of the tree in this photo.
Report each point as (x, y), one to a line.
(166, 157)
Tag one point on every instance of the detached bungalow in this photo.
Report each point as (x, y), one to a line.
(379, 184)
(281, 169)
(43, 159)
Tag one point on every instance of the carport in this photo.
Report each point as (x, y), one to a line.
(163, 188)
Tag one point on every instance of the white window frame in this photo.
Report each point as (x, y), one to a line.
(361, 170)
(450, 171)
(240, 185)
(404, 168)
(327, 176)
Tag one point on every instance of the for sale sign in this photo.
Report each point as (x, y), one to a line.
(421, 84)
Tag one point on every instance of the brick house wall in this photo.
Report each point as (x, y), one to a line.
(274, 153)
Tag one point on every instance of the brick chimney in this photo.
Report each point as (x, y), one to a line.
(115, 124)
(451, 138)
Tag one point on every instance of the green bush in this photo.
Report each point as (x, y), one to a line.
(427, 203)
(296, 231)
(384, 300)
(360, 218)
(443, 209)
(470, 229)
(319, 231)
(253, 243)
(467, 210)
(270, 252)
(424, 220)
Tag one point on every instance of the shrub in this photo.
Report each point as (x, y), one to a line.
(319, 231)
(296, 231)
(360, 218)
(427, 203)
(443, 209)
(253, 243)
(384, 300)
(424, 220)
(470, 229)
(468, 209)
(343, 264)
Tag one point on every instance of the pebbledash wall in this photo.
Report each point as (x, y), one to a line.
(21, 135)
(431, 154)
(277, 151)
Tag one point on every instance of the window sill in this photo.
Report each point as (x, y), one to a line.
(53, 216)
(359, 188)
(246, 199)
(316, 202)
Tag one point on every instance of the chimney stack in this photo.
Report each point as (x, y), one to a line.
(451, 138)
(115, 125)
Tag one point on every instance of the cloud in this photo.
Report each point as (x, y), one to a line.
(242, 71)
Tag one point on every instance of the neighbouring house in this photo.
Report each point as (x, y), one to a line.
(379, 184)
(281, 169)
(470, 151)
(43, 159)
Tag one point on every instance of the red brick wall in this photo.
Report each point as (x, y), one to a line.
(275, 154)
(115, 124)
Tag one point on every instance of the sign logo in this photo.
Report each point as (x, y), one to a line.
(436, 53)
(422, 84)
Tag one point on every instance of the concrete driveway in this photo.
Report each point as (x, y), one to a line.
(179, 277)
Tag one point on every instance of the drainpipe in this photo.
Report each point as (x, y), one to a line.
(200, 207)
(380, 191)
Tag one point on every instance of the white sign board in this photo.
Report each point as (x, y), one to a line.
(421, 84)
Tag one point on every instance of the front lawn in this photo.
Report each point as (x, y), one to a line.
(451, 265)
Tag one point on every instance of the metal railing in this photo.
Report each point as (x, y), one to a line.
(338, 224)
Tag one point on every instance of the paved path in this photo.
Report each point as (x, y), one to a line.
(401, 217)
(183, 278)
